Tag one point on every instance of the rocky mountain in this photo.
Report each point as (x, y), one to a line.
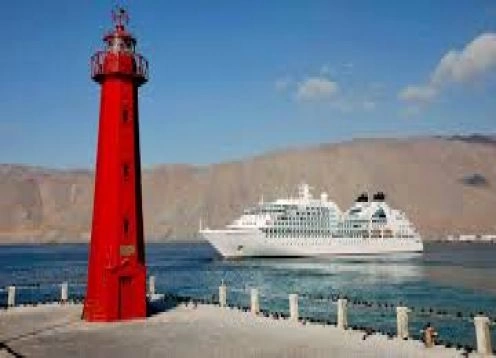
(445, 184)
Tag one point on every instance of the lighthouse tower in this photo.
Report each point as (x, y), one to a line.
(116, 268)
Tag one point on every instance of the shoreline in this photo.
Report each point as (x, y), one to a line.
(188, 331)
(36, 242)
(79, 242)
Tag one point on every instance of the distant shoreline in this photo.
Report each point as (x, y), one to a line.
(200, 241)
(441, 241)
(78, 242)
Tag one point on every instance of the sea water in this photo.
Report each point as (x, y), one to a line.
(444, 286)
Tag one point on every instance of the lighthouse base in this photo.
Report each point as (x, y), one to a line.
(120, 296)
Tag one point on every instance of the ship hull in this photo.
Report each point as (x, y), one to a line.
(252, 243)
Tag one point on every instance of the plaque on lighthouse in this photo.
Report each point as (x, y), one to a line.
(116, 287)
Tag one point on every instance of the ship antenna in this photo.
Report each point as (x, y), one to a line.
(201, 224)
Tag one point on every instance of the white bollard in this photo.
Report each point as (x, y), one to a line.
(402, 322)
(64, 292)
(255, 303)
(11, 291)
(342, 313)
(223, 295)
(293, 307)
(483, 335)
(151, 285)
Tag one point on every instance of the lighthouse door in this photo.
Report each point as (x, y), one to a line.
(125, 297)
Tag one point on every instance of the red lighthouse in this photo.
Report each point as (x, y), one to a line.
(116, 269)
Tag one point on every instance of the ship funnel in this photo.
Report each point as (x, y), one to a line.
(379, 196)
(363, 198)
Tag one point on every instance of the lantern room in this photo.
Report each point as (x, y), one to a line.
(119, 58)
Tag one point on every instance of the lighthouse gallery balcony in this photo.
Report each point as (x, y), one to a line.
(101, 68)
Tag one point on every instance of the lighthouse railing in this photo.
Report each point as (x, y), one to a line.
(141, 66)
(98, 69)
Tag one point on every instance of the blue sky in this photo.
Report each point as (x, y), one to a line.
(231, 79)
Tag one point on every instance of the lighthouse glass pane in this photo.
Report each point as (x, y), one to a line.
(118, 44)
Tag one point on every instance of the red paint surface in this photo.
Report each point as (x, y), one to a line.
(116, 288)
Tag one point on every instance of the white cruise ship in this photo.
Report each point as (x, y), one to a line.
(307, 226)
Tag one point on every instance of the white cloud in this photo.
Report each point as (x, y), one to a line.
(369, 105)
(348, 68)
(325, 70)
(418, 93)
(343, 105)
(320, 87)
(283, 83)
(410, 111)
(376, 89)
(473, 61)
(456, 66)
(316, 88)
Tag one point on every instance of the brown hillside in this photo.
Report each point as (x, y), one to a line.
(445, 186)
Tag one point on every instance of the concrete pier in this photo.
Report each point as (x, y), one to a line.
(483, 335)
(293, 307)
(64, 292)
(342, 322)
(254, 300)
(151, 285)
(223, 295)
(205, 331)
(402, 322)
(11, 291)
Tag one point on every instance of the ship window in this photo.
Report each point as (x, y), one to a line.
(379, 214)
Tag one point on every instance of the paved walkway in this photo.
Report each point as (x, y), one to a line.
(205, 331)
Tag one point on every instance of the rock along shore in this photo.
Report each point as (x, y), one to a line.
(205, 331)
